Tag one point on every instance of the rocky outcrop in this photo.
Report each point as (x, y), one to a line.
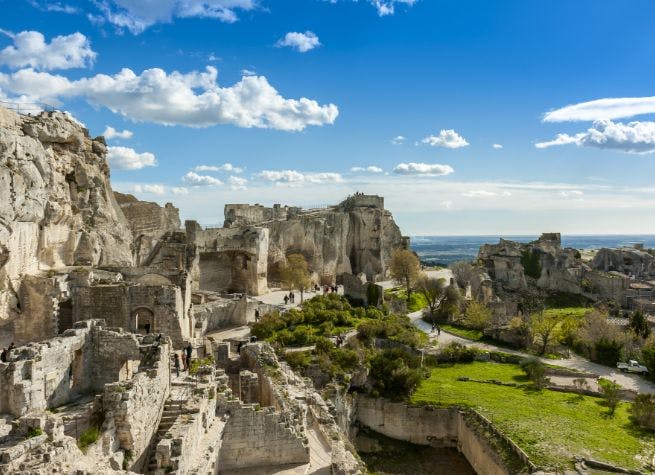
(356, 236)
(148, 222)
(635, 262)
(56, 204)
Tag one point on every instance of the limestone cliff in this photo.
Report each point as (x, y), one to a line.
(356, 236)
(148, 222)
(56, 204)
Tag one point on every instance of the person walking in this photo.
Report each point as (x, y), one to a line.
(286, 299)
(189, 351)
(292, 297)
(256, 315)
(438, 330)
(184, 367)
(176, 363)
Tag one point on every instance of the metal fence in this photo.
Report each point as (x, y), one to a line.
(26, 108)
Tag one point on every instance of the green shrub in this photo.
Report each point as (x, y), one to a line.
(88, 437)
(298, 360)
(33, 432)
(457, 353)
(643, 411)
(197, 363)
(610, 392)
(607, 352)
(395, 374)
(535, 370)
(531, 262)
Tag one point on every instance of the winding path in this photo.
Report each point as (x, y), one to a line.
(628, 381)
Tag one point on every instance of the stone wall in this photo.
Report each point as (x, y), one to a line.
(357, 288)
(220, 313)
(134, 407)
(260, 438)
(148, 222)
(248, 215)
(437, 427)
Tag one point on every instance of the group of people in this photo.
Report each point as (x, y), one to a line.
(5, 352)
(328, 288)
(289, 298)
(187, 351)
(436, 328)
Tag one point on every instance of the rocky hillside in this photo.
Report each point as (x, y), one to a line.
(56, 204)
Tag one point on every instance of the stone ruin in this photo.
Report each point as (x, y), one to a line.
(98, 289)
(623, 276)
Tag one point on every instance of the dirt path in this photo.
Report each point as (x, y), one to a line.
(628, 381)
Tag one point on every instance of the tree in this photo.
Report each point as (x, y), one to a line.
(295, 274)
(543, 328)
(451, 305)
(463, 272)
(405, 269)
(434, 291)
(535, 370)
(639, 324)
(643, 411)
(648, 356)
(477, 315)
(610, 392)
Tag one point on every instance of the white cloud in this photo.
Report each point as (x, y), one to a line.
(425, 169)
(125, 158)
(31, 49)
(388, 7)
(137, 15)
(485, 193)
(370, 169)
(226, 167)
(609, 108)
(446, 138)
(112, 133)
(193, 99)
(398, 140)
(301, 42)
(633, 137)
(194, 179)
(248, 72)
(237, 182)
(51, 6)
(296, 177)
(152, 189)
(180, 190)
(571, 193)
(497, 146)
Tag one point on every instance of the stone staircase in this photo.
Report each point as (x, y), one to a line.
(172, 410)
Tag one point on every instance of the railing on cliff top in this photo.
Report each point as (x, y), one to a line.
(26, 108)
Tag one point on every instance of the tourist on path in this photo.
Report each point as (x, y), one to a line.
(184, 365)
(286, 299)
(292, 297)
(189, 351)
(176, 363)
(256, 315)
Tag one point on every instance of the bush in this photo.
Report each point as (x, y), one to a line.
(610, 392)
(477, 316)
(535, 370)
(456, 353)
(197, 363)
(607, 352)
(395, 374)
(298, 360)
(643, 411)
(88, 437)
(531, 262)
(648, 356)
(33, 432)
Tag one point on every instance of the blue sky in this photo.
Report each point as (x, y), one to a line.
(517, 117)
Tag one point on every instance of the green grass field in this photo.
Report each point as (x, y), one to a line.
(551, 427)
(575, 312)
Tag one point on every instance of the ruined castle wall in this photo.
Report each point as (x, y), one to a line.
(259, 438)
(219, 314)
(116, 357)
(39, 376)
(248, 215)
(135, 406)
(424, 425)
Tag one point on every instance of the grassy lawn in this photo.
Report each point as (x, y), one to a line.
(468, 333)
(416, 300)
(565, 312)
(551, 427)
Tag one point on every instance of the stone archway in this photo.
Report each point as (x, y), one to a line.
(143, 320)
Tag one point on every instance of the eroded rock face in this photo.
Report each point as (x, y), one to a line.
(356, 236)
(635, 262)
(148, 222)
(56, 204)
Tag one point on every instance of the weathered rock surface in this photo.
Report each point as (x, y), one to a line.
(356, 236)
(148, 222)
(56, 204)
(632, 261)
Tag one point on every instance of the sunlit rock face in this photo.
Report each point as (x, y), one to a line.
(56, 204)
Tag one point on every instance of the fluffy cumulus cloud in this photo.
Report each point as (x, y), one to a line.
(301, 42)
(237, 182)
(125, 158)
(369, 169)
(192, 178)
(497, 146)
(193, 99)
(388, 7)
(137, 15)
(293, 177)
(633, 137)
(112, 133)
(447, 139)
(151, 189)
(226, 167)
(398, 140)
(601, 109)
(30, 49)
(425, 169)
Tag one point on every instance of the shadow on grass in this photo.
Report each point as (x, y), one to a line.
(575, 399)
(520, 378)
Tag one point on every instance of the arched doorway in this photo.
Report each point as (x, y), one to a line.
(143, 320)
